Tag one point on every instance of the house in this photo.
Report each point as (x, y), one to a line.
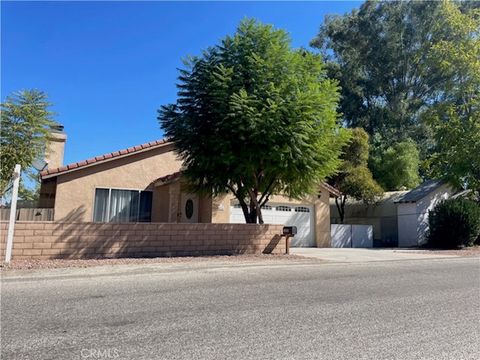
(413, 208)
(400, 218)
(382, 215)
(144, 184)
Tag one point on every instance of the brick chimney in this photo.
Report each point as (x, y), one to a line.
(55, 147)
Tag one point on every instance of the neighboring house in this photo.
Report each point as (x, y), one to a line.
(400, 218)
(413, 208)
(382, 216)
(144, 184)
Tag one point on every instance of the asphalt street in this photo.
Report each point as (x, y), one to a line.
(423, 309)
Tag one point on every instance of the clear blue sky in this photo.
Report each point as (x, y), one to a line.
(108, 66)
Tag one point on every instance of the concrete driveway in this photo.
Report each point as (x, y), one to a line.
(364, 255)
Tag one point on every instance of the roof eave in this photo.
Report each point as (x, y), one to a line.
(75, 167)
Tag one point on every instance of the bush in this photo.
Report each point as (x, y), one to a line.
(454, 223)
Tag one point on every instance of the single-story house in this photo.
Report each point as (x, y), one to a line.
(144, 184)
(400, 218)
(413, 208)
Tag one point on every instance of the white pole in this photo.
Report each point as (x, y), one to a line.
(13, 213)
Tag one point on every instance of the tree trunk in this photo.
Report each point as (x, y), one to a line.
(260, 216)
(246, 213)
(341, 207)
(252, 212)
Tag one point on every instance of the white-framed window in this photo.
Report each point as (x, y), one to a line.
(283, 208)
(302, 209)
(267, 207)
(118, 205)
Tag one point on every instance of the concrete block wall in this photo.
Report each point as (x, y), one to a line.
(60, 240)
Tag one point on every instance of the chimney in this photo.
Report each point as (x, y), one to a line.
(55, 147)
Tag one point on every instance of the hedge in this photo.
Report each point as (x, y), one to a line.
(454, 223)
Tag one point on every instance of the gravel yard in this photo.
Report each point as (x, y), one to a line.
(61, 263)
(470, 251)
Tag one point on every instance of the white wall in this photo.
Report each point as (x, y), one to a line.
(425, 205)
(356, 236)
(407, 224)
(413, 217)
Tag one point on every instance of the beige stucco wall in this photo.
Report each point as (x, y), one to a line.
(55, 149)
(168, 203)
(322, 217)
(221, 212)
(76, 190)
(161, 204)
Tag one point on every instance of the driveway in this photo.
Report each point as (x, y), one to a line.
(364, 255)
(306, 310)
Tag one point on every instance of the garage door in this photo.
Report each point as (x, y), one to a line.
(300, 216)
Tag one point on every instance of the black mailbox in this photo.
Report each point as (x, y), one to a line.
(289, 230)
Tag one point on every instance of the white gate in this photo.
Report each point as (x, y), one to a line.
(352, 236)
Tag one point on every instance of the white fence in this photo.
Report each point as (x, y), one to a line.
(352, 236)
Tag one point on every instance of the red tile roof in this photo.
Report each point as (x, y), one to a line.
(333, 190)
(167, 179)
(131, 150)
(101, 158)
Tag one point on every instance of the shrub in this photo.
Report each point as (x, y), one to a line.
(453, 223)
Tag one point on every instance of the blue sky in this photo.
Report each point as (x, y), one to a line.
(108, 66)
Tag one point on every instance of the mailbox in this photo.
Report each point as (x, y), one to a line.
(289, 230)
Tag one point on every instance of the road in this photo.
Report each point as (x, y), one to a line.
(424, 309)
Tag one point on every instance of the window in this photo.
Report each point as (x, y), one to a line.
(283, 208)
(237, 206)
(266, 207)
(302, 209)
(115, 205)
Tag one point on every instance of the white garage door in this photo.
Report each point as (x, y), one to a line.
(300, 216)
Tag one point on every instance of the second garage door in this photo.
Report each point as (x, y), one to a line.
(300, 216)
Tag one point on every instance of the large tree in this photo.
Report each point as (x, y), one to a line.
(354, 178)
(379, 55)
(25, 125)
(396, 167)
(455, 117)
(382, 56)
(256, 118)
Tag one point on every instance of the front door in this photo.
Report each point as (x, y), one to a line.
(189, 208)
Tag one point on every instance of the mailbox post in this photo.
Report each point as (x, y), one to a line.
(288, 231)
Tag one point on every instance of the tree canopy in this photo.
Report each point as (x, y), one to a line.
(396, 167)
(455, 117)
(379, 55)
(354, 178)
(255, 117)
(26, 121)
(405, 69)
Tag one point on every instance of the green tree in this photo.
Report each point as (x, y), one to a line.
(379, 55)
(25, 123)
(255, 118)
(396, 167)
(455, 117)
(354, 178)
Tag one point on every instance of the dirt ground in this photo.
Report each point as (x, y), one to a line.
(470, 251)
(60, 263)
